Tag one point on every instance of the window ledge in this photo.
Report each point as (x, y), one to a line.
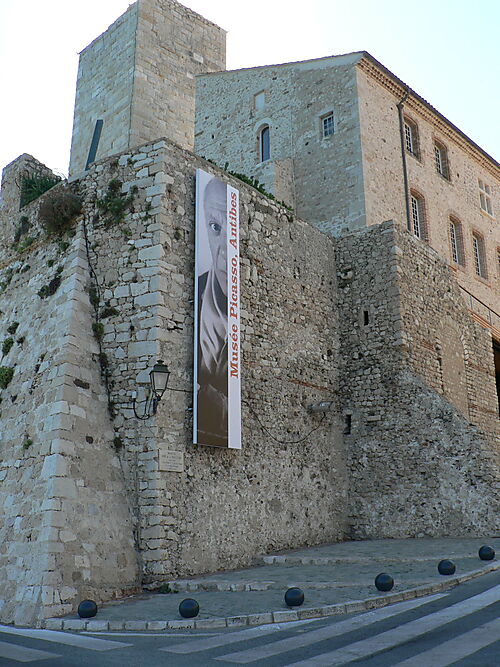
(485, 213)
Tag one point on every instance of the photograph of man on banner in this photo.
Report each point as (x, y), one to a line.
(212, 368)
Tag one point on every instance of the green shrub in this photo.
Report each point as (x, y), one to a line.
(115, 204)
(33, 187)
(51, 288)
(12, 328)
(108, 312)
(6, 375)
(58, 211)
(27, 443)
(98, 329)
(6, 345)
(25, 244)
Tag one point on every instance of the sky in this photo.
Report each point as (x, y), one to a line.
(448, 51)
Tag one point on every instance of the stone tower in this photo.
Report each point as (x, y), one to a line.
(138, 78)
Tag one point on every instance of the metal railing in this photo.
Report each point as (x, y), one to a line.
(477, 306)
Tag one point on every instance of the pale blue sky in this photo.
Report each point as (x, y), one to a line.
(448, 51)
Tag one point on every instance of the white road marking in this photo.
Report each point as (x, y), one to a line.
(328, 631)
(233, 637)
(64, 638)
(23, 654)
(403, 633)
(152, 633)
(457, 648)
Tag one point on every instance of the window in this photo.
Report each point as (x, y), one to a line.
(259, 100)
(485, 197)
(456, 242)
(479, 256)
(411, 137)
(441, 158)
(328, 125)
(264, 144)
(417, 215)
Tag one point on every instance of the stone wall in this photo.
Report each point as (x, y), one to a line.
(138, 77)
(289, 361)
(66, 529)
(324, 175)
(94, 514)
(419, 393)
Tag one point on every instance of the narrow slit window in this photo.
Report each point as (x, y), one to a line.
(348, 425)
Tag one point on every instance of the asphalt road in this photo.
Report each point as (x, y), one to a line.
(460, 627)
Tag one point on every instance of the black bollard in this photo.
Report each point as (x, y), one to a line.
(189, 608)
(87, 609)
(294, 597)
(486, 552)
(446, 567)
(384, 582)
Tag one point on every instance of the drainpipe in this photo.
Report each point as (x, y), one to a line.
(403, 155)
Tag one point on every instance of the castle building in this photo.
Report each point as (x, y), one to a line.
(376, 298)
(347, 144)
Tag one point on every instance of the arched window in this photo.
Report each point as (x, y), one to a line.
(264, 144)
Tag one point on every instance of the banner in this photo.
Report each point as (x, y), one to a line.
(217, 367)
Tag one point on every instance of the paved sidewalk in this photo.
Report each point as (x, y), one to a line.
(336, 578)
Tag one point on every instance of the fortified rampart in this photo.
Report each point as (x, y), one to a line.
(370, 322)
(85, 498)
(419, 393)
(97, 284)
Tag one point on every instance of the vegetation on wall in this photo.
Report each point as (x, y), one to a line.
(253, 182)
(33, 187)
(27, 442)
(6, 375)
(58, 211)
(6, 279)
(7, 344)
(52, 286)
(115, 204)
(26, 243)
(12, 328)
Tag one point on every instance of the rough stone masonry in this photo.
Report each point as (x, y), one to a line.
(409, 447)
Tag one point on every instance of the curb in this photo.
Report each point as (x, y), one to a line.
(349, 560)
(265, 618)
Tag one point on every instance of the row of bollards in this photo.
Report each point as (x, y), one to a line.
(294, 597)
